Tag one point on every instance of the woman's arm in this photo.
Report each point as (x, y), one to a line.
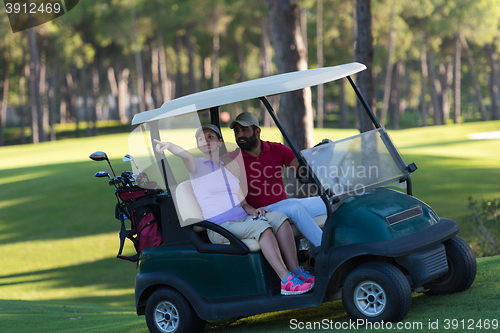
(187, 158)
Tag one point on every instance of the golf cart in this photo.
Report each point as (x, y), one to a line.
(379, 243)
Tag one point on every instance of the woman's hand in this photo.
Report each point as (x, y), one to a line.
(161, 146)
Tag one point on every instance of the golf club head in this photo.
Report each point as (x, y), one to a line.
(99, 156)
(129, 158)
(101, 174)
(116, 181)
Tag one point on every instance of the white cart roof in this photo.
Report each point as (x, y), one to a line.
(266, 86)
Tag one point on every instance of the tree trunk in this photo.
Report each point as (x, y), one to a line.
(240, 49)
(35, 85)
(155, 75)
(216, 47)
(423, 89)
(344, 116)
(303, 28)
(290, 54)
(395, 100)
(479, 96)
(390, 66)
(493, 58)
(165, 83)
(5, 98)
(364, 55)
(85, 95)
(52, 102)
(434, 88)
(138, 62)
(22, 106)
(192, 88)
(148, 90)
(178, 75)
(205, 72)
(266, 52)
(43, 91)
(457, 68)
(114, 89)
(446, 71)
(123, 75)
(319, 50)
(95, 96)
(72, 98)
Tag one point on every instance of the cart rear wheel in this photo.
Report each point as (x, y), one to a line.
(167, 311)
(462, 268)
(375, 292)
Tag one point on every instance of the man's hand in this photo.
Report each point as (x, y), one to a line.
(260, 211)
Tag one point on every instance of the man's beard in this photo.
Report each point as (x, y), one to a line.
(249, 143)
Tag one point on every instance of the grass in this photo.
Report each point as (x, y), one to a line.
(58, 237)
(427, 314)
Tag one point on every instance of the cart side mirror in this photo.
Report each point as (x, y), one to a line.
(411, 168)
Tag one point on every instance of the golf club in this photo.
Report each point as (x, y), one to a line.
(101, 156)
(128, 158)
(101, 174)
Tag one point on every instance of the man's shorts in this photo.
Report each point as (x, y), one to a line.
(248, 227)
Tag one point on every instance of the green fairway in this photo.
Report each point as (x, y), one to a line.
(59, 237)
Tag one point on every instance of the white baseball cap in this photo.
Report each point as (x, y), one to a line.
(210, 127)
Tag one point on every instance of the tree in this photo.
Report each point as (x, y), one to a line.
(390, 65)
(319, 32)
(364, 55)
(290, 55)
(493, 58)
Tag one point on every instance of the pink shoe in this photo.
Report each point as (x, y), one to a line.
(295, 286)
(305, 276)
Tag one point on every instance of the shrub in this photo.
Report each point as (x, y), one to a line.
(486, 215)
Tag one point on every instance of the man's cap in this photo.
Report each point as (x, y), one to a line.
(210, 127)
(245, 119)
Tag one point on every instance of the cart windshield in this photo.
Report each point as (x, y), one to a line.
(217, 178)
(354, 165)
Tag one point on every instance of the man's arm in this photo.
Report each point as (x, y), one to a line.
(294, 164)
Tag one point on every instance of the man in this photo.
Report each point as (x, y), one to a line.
(264, 163)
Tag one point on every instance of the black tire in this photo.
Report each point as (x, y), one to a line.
(167, 311)
(462, 268)
(376, 291)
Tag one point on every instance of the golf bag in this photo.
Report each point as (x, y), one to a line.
(140, 207)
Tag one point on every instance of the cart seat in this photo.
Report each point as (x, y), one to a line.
(188, 208)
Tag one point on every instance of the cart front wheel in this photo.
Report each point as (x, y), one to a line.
(167, 311)
(375, 292)
(462, 268)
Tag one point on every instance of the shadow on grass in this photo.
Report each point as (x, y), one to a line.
(113, 276)
(61, 316)
(55, 202)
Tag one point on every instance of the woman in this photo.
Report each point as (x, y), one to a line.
(216, 190)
